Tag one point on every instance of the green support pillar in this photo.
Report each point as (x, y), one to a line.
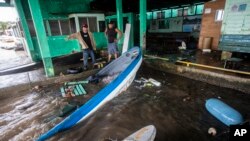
(26, 31)
(119, 14)
(143, 23)
(131, 21)
(119, 19)
(41, 36)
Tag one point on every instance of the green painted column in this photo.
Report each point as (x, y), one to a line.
(41, 36)
(143, 23)
(26, 31)
(119, 20)
(119, 14)
(131, 21)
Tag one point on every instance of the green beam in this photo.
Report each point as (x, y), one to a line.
(119, 20)
(41, 36)
(131, 21)
(119, 14)
(26, 31)
(143, 23)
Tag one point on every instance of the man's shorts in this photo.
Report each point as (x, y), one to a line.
(112, 48)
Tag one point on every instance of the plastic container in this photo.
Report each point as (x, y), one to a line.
(223, 112)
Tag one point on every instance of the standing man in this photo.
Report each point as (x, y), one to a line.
(87, 43)
(111, 34)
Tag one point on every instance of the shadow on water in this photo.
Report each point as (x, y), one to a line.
(177, 109)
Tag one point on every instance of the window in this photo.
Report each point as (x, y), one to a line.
(149, 15)
(199, 9)
(180, 12)
(54, 27)
(72, 25)
(82, 20)
(174, 13)
(91, 21)
(219, 15)
(92, 24)
(167, 13)
(156, 14)
(64, 24)
(177, 12)
(191, 10)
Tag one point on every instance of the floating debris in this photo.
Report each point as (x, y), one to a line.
(37, 87)
(186, 99)
(71, 89)
(147, 83)
(153, 81)
(212, 131)
(67, 109)
(138, 87)
(159, 91)
(61, 74)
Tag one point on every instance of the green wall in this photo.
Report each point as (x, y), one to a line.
(100, 40)
(59, 46)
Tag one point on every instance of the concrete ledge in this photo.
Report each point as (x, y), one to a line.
(218, 79)
(10, 84)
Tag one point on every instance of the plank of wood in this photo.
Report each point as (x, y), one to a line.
(126, 38)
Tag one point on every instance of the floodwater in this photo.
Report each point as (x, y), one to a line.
(177, 109)
(12, 58)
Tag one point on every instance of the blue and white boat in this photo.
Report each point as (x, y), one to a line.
(125, 68)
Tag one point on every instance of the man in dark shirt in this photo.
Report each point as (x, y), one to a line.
(111, 33)
(86, 40)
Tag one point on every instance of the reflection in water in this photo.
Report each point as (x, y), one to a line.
(177, 109)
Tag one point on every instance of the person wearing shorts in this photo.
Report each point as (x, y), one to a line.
(111, 34)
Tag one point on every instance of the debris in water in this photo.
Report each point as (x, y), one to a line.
(138, 87)
(159, 91)
(212, 131)
(72, 89)
(67, 109)
(186, 99)
(37, 87)
(61, 74)
(146, 83)
(153, 81)
(138, 81)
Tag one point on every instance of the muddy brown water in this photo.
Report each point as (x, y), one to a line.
(177, 109)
